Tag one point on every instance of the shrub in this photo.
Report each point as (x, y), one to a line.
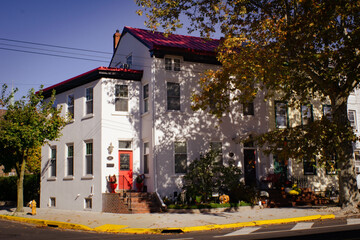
(31, 188)
(207, 175)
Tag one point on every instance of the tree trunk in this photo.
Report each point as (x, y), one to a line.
(20, 188)
(348, 191)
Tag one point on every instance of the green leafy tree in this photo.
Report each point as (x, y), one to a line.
(208, 175)
(27, 125)
(296, 49)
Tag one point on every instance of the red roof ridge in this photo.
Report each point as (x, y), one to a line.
(153, 39)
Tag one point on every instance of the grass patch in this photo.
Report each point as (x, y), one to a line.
(208, 205)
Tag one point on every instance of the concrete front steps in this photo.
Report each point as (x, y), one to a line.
(130, 202)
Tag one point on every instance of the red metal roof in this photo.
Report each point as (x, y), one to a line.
(118, 73)
(157, 40)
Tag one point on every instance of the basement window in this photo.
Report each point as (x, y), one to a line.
(52, 202)
(88, 203)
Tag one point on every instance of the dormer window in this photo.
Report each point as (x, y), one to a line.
(172, 64)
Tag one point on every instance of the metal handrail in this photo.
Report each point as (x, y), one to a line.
(123, 188)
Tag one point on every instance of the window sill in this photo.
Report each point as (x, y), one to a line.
(120, 114)
(176, 175)
(87, 177)
(50, 179)
(68, 178)
(145, 114)
(87, 116)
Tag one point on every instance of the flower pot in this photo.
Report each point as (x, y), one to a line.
(139, 186)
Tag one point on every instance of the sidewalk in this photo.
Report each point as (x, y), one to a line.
(158, 222)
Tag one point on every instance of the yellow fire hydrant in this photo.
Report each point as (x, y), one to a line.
(32, 205)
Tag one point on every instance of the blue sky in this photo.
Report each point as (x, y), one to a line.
(85, 24)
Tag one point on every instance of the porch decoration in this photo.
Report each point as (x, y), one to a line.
(112, 183)
(224, 198)
(139, 181)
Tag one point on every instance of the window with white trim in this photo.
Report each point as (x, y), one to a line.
(121, 98)
(53, 162)
(357, 161)
(89, 158)
(89, 100)
(172, 64)
(309, 166)
(146, 157)
(248, 108)
(352, 118)
(124, 144)
(70, 105)
(327, 111)
(173, 96)
(306, 114)
(180, 152)
(146, 98)
(70, 160)
(281, 114)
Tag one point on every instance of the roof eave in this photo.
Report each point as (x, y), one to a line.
(95, 74)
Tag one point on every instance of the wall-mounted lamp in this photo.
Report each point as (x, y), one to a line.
(110, 148)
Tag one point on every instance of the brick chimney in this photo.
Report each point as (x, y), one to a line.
(116, 39)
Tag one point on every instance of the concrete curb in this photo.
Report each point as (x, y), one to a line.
(47, 223)
(110, 228)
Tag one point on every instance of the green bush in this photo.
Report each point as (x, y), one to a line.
(208, 175)
(31, 188)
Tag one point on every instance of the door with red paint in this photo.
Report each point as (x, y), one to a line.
(125, 170)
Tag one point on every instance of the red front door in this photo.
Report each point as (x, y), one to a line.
(125, 170)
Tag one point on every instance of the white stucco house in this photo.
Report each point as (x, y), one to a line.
(134, 117)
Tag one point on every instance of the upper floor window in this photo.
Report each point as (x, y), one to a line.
(248, 108)
(70, 160)
(306, 114)
(352, 118)
(89, 158)
(146, 97)
(327, 111)
(281, 115)
(172, 64)
(89, 100)
(53, 162)
(121, 98)
(173, 96)
(180, 151)
(70, 105)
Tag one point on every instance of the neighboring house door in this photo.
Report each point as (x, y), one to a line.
(250, 166)
(126, 170)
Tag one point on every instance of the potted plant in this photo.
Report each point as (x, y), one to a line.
(139, 181)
